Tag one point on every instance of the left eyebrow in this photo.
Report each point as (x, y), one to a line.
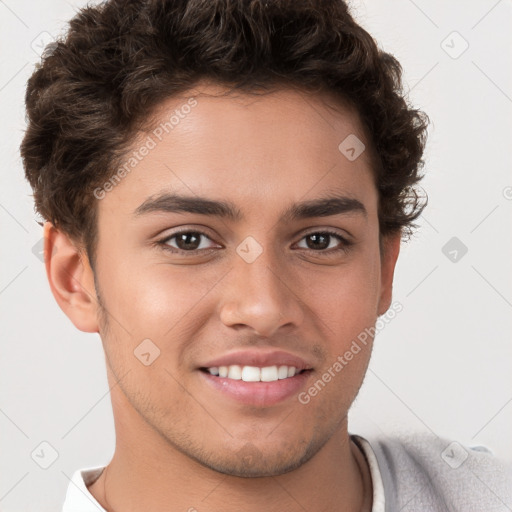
(321, 207)
(325, 207)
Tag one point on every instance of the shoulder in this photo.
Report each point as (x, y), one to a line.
(424, 472)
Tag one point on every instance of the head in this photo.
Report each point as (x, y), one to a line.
(222, 177)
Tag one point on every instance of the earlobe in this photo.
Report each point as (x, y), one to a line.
(71, 279)
(389, 256)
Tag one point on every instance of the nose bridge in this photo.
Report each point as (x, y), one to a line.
(260, 296)
(262, 277)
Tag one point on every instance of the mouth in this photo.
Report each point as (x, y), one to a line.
(260, 387)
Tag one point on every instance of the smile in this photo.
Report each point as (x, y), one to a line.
(254, 373)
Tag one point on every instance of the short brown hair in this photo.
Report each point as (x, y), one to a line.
(119, 60)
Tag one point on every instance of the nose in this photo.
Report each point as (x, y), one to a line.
(261, 296)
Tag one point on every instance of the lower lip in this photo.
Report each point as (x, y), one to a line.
(259, 394)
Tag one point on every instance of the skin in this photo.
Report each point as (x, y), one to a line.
(179, 443)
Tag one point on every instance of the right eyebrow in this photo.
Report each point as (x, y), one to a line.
(174, 203)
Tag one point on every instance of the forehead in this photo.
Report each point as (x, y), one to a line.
(261, 150)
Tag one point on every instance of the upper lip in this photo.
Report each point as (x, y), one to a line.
(259, 358)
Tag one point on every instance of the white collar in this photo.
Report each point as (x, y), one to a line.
(379, 504)
(78, 497)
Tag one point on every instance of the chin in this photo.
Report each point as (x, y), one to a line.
(251, 462)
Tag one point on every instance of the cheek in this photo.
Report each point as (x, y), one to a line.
(348, 311)
(167, 305)
(152, 298)
(346, 300)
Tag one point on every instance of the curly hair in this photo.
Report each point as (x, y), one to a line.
(98, 85)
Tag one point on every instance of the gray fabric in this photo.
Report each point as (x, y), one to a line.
(424, 473)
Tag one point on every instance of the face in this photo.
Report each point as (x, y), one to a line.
(241, 237)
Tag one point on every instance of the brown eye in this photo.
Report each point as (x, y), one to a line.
(186, 241)
(318, 241)
(325, 241)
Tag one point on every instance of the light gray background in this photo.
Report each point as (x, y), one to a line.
(444, 363)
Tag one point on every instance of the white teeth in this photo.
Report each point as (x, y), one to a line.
(251, 374)
(269, 374)
(235, 372)
(254, 373)
(282, 373)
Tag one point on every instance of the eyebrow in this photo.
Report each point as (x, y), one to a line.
(326, 206)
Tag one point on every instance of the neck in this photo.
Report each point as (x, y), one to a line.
(148, 473)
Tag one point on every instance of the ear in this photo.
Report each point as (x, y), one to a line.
(71, 279)
(389, 256)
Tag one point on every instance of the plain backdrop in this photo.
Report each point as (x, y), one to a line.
(444, 363)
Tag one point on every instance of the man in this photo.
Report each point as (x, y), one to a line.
(226, 185)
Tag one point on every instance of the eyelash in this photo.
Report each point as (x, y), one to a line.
(344, 246)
